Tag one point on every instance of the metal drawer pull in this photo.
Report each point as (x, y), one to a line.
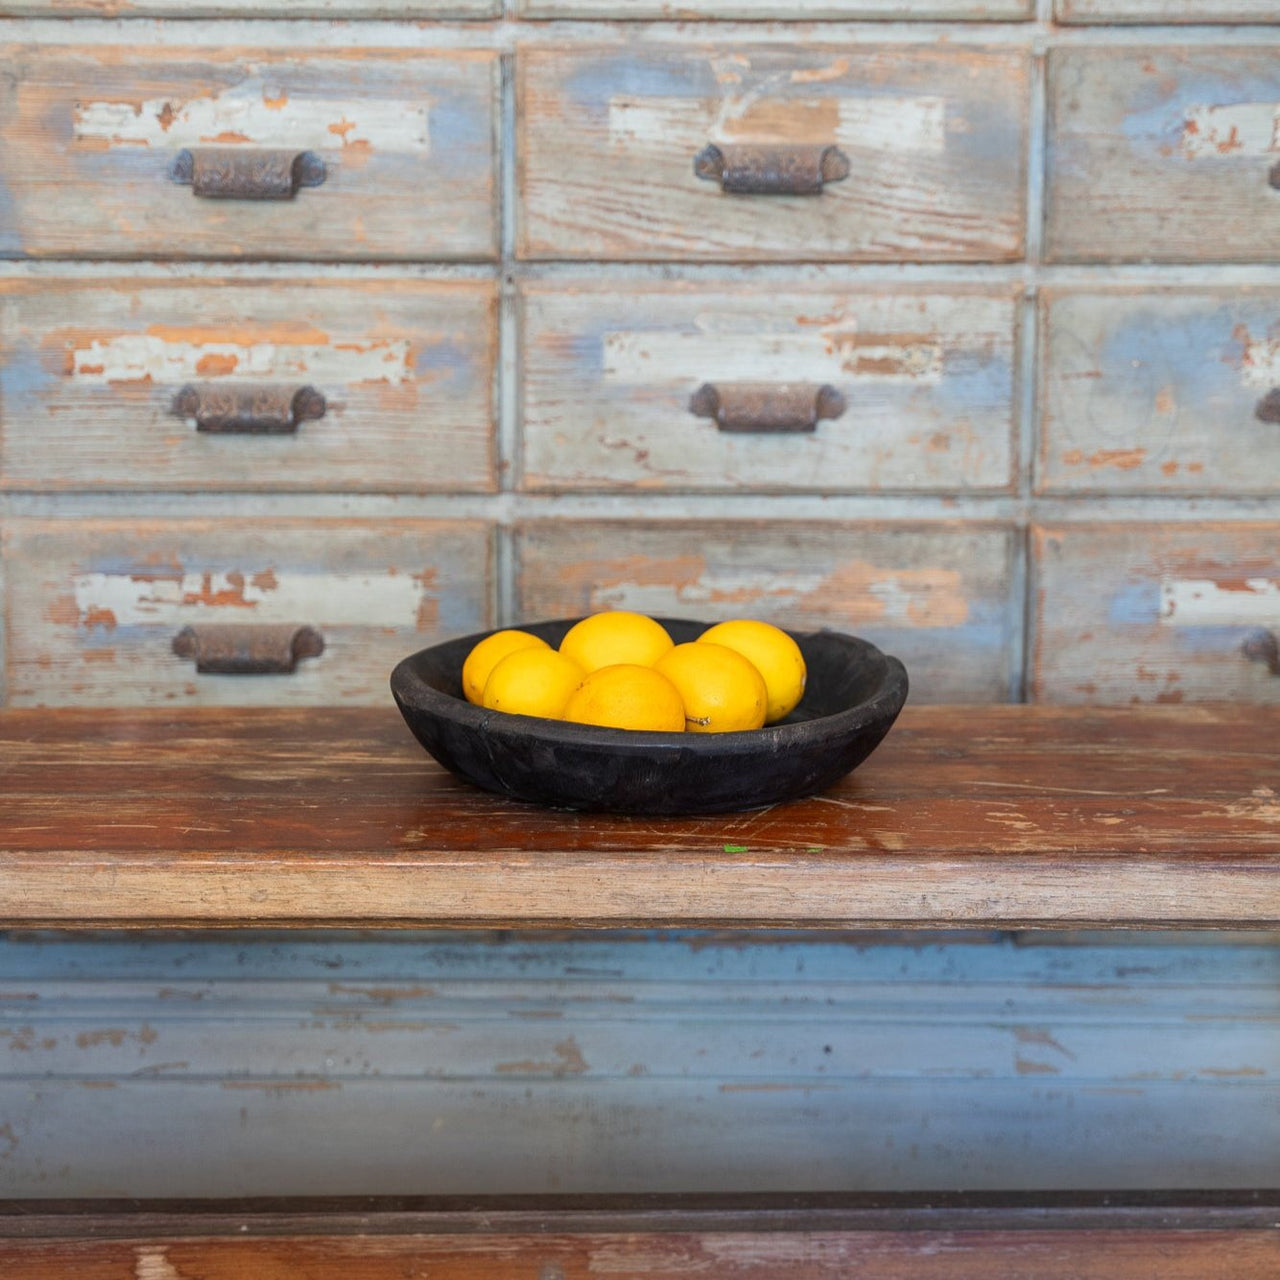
(243, 409)
(1274, 176)
(230, 649)
(766, 407)
(1268, 409)
(1262, 646)
(246, 173)
(783, 170)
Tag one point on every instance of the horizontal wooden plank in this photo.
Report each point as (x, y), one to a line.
(1131, 613)
(1162, 154)
(965, 816)
(90, 371)
(794, 10)
(1159, 391)
(607, 138)
(90, 135)
(1162, 11)
(335, 9)
(610, 369)
(95, 605)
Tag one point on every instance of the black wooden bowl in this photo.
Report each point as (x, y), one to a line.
(853, 695)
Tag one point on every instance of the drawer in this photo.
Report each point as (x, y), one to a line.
(697, 387)
(796, 10)
(251, 8)
(1164, 154)
(97, 607)
(1166, 11)
(938, 596)
(213, 384)
(194, 153)
(1157, 613)
(715, 152)
(1161, 392)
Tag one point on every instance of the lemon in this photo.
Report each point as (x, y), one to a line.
(532, 682)
(627, 696)
(720, 689)
(614, 638)
(772, 652)
(487, 654)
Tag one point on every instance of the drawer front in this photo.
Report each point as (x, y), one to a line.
(95, 606)
(1161, 11)
(937, 596)
(251, 8)
(1161, 392)
(200, 384)
(690, 387)
(931, 143)
(1164, 154)
(795, 10)
(1157, 613)
(189, 153)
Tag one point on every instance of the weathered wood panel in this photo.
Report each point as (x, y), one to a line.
(89, 135)
(629, 1064)
(937, 596)
(607, 138)
(1160, 391)
(610, 368)
(1051, 816)
(250, 8)
(1163, 11)
(90, 371)
(1163, 154)
(795, 10)
(1157, 613)
(94, 606)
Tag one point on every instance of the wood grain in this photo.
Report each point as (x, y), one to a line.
(89, 370)
(89, 135)
(607, 138)
(1162, 154)
(793, 10)
(335, 9)
(1162, 11)
(1007, 815)
(928, 380)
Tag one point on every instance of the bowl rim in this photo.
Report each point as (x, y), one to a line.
(411, 690)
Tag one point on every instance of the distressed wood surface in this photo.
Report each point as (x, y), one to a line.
(94, 605)
(609, 369)
(606, 140)
(627, 1063)
(1160, 391)
(1155, 613)
(250, 8)
(1163, 154)
(938, 596)
(795, 10)
(89, 371)
(1163, 11)
(1001, 815)
(88, 135)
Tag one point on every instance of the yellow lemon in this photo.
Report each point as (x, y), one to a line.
(627, 696)
(532, 682)
(615, 638)
(487, 654)
(772, 652)
(720, 689)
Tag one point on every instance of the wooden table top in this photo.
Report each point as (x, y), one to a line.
(1004, 816)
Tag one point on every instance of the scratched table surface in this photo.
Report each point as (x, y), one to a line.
(995, 816)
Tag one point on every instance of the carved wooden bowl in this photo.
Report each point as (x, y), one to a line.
(853, 695)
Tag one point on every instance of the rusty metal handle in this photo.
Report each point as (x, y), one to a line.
(244, 409)
(780, 170)
(1268, 408)
(1274, 176)
(766, 408)
(1263, 646)
(257, 649)
(247, 173)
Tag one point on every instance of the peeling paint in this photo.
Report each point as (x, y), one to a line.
(1208, 602)
(1236, 128)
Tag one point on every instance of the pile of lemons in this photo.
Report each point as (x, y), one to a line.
(622, 670)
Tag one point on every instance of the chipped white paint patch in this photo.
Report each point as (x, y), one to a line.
(255, 114)
(669, 357)
(374, 600)
(151, 1262)
(1202, 602)
(135, 357)
(1260, 367)
(916, 124)
(1231, 129)
(1261, 805)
